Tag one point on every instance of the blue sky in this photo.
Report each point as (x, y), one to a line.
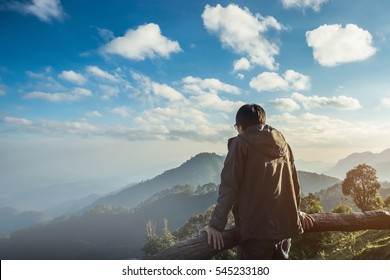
(129, 88)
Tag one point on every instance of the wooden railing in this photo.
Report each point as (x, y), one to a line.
(197, 248)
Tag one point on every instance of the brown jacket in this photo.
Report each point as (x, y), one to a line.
(259, 178)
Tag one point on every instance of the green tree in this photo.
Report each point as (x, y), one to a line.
(343, 243)
(342, 208)
(310, 245)
(387, 202)
(361, 184)
(155, 243)
(182, 188)
(311, 204)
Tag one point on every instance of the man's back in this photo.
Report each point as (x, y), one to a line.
(259, 178)
(268, 199)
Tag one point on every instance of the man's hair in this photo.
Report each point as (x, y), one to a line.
(250, 114)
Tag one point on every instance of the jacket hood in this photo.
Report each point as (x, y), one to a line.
(266, 139)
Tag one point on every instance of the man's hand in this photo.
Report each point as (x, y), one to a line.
(307, 220)
(213, 236)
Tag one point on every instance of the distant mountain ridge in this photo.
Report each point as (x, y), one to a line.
(45, 198)
(313, 182)
(318, 167)
(11, 219)
(380, 161)
(199, 170)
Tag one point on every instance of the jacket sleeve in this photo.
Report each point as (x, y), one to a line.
(297, 186)
(231, 178)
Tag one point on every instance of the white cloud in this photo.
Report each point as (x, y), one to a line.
(270, 81)
(312, 130)
(337, 102)
(74, 95)
(196, 114)
(166, 92)
(96, 71)
(73, 77)
(241, 31)
(304, 4)
(82, 92)
(66, 127)
(195, 85)
(40, 75)
(192, 108)
(214, 102)
(201, 93)
(307, 133)
(318, 137)
(93, 114)
(17, 121)
(109, 92)
(45, 10)
(144, 86)
(181, 122)
(122, 111)
(297, 81)
(333, 45)
(241, 64)
(386, 102)
(172, 116)
(285, 104)
(144, 42)
(147, 87)
(45, 82)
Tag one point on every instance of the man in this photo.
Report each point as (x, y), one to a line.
(259, 181)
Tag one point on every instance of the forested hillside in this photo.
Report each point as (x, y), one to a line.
(330, 197)
(107, 232)
(363, 244)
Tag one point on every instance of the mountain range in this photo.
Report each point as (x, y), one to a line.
(114, 226)
(209, 166)
(380, 161)
(199, 170)
(107, 232)
(12, 219)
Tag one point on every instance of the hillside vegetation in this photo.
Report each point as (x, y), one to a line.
(107, 232)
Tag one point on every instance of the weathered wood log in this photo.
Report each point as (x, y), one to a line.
(197, 248)
(377, 219)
